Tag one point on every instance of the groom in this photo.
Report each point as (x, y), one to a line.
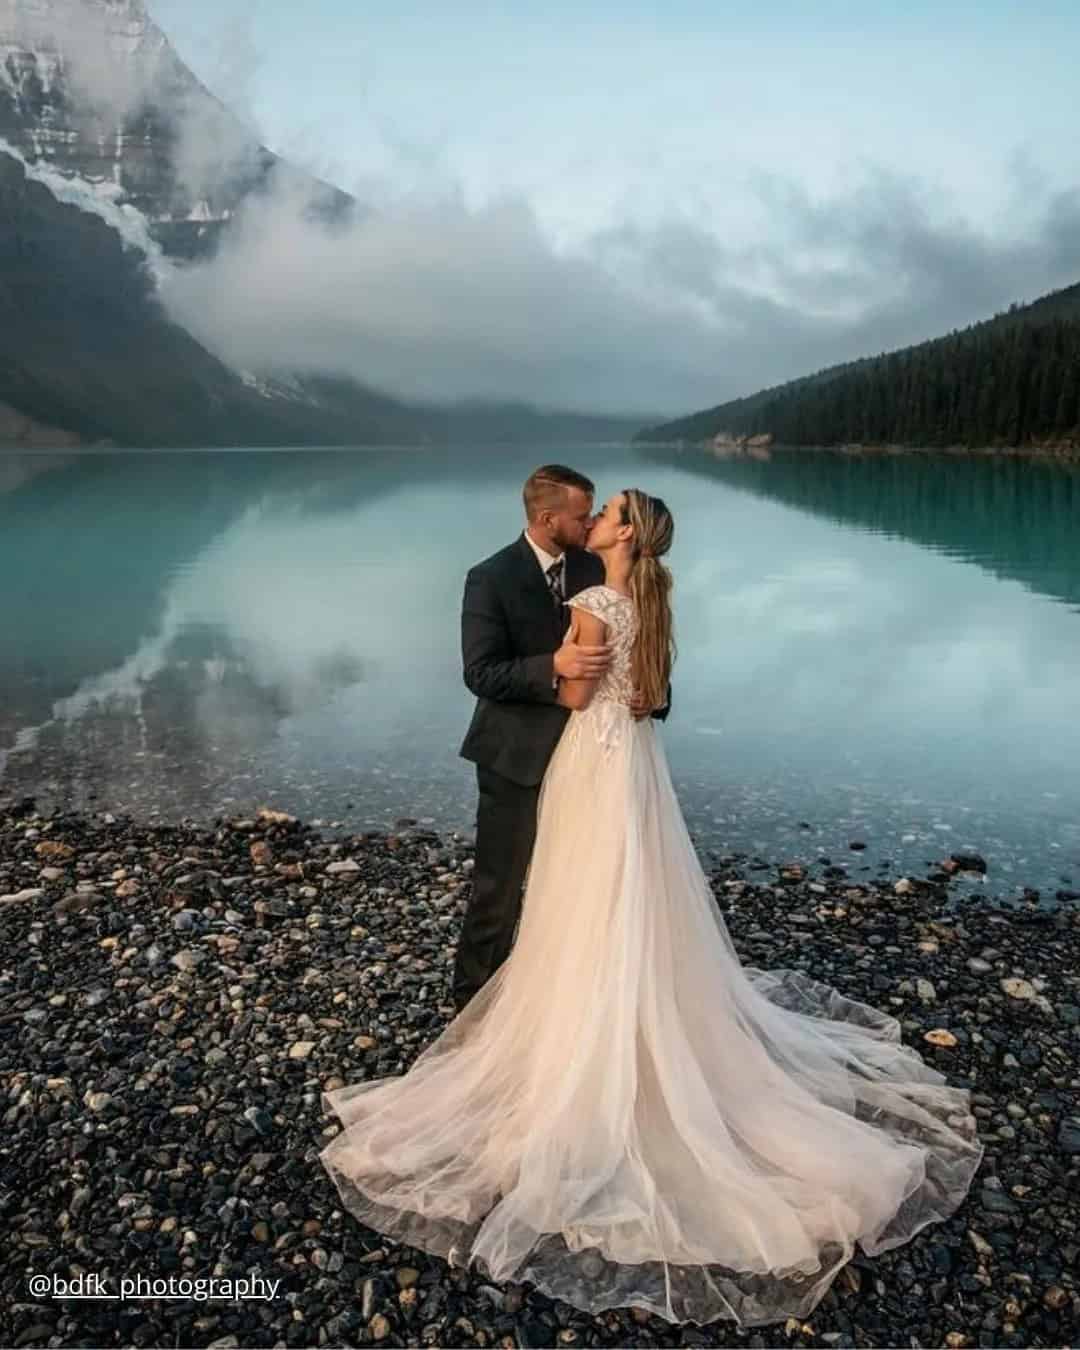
(513, 619)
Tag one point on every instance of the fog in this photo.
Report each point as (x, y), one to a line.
(432, 297)
(429, 292)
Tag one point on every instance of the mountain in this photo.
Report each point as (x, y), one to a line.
(94, 88)
(86, 347)
(1009, 381)
(115, 162)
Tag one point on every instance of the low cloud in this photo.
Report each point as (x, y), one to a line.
(429, 297)
(115, 64)
(106, 62)
(435, 301)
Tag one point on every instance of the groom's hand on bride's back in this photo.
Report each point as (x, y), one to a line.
(578, 661)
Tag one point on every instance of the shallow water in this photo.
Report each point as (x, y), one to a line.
(871, 649)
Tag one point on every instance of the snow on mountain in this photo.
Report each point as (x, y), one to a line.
(94, 90)
(96, 108)
(98, 113)
(103, 199)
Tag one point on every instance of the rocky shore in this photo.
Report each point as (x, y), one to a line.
(173, 1000)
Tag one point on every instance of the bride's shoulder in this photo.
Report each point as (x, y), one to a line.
(597, 599)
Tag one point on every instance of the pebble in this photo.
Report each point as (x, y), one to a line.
(1069, 1135)
(346, 865)
(169, 1041)
(19, 897)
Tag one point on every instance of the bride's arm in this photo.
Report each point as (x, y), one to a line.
(588, 630)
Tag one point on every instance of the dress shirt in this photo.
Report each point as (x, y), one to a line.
(546, 560)
(543, 557)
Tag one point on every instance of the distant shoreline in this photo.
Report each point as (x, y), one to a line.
(1064, 451)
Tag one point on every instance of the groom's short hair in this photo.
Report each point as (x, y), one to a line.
(545, 488)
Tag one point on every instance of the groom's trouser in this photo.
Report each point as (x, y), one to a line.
(505, 833)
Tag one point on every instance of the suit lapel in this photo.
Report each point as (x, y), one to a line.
(575, 571)
(535, 589)
(581, 569)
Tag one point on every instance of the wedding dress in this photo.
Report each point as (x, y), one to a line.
(625, 1114)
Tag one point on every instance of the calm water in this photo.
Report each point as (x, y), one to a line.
(882, 650)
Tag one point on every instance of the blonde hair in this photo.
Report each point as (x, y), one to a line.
(650, 587)
(545, 488)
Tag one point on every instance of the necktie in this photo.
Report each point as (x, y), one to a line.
(555, 583)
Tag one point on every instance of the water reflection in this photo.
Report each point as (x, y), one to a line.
(206, 632)
(1015, 516)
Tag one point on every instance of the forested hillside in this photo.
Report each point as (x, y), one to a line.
(1008, 381)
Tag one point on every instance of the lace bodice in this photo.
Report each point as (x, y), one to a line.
(618, 613)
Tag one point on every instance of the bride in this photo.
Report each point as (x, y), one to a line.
(624, 1114)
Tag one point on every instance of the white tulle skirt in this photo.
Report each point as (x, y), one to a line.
(624, 1114)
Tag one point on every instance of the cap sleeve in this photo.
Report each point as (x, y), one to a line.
(596, 600)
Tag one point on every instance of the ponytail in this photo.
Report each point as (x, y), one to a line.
(650, 587)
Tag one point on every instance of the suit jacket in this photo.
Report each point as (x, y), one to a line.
(510, 630)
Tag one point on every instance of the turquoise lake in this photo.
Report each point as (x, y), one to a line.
(881, 650)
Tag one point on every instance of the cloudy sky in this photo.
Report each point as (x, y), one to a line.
(641, 208)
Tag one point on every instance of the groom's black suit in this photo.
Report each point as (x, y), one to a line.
(510, 630)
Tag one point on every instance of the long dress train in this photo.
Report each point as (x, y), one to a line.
(625, 1114)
